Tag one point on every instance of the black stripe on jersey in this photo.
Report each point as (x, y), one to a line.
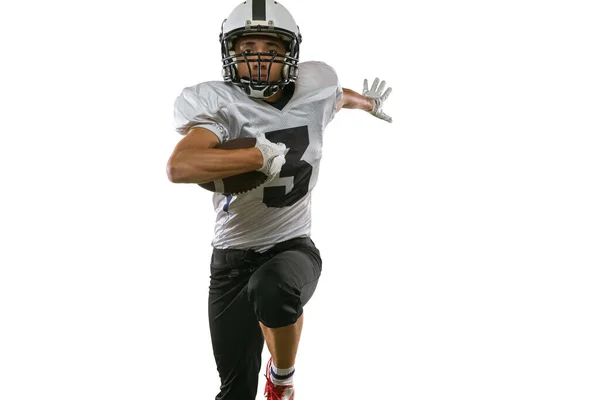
(259, 10)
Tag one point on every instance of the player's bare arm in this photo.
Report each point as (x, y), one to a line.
(195, 159)
(353, 100)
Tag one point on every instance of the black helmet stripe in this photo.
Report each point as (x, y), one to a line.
(259, 10)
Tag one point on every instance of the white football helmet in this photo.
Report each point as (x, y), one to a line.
(260, 17)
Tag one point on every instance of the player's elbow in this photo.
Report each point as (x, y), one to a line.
(175, 171)
(180, 171)
(172, 173)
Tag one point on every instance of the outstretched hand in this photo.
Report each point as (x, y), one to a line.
(377, 98)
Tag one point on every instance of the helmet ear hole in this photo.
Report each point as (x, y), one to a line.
(293, 75)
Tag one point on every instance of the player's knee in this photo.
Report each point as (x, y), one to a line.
(273, 299)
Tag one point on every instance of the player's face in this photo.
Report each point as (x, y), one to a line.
(264, 44)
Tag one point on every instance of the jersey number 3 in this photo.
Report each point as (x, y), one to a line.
(296, 139)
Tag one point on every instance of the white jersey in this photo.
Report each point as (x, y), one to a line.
(279, 210)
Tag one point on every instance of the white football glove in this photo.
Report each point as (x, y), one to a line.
(273, 155)
(374, 94)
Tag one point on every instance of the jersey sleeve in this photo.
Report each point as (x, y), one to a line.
(338, 94)
(199, 107)
(328, 81)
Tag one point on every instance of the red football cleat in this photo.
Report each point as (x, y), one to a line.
(273, 392)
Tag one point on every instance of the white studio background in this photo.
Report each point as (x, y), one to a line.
(460, 243)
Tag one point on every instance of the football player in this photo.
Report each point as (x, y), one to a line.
(264, 266)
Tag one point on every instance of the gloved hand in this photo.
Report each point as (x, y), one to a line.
(273, 155)
(374, 94)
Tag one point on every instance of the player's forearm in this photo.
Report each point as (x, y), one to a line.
(355, 100)
(205, 165)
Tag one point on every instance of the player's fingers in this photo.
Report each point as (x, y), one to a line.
(386, 117)
(375, 83)
(276, 165)
(365, 86)
(386, 94)
(280, 146)
(381, 87)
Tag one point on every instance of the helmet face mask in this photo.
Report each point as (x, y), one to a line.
(240, 24)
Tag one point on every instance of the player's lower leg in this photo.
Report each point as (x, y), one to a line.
(283, 345)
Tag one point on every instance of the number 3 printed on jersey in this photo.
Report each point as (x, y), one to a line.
(297, 140)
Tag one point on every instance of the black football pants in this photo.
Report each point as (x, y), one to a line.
(247, 287)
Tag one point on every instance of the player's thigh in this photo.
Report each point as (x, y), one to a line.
(232, 320)
(297, 269)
